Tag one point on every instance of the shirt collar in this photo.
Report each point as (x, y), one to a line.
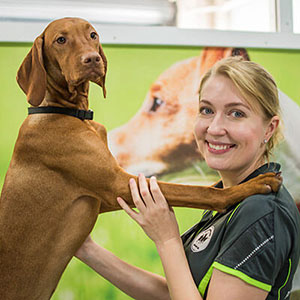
(268, 167)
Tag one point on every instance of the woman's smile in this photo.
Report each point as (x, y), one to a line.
(219, 148)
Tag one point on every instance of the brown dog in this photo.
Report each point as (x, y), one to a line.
(62, 173)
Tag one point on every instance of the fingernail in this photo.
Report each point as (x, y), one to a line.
(153, 177)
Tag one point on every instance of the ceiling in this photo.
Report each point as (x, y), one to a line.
(129, 12)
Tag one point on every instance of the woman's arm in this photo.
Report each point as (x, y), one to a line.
(140, 284)
(181, 285)
(158, 221)
(179, 278)
(135, 282)
(224, 286)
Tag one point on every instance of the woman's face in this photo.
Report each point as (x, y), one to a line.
(229, 133)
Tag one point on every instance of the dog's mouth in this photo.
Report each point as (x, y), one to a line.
(91, 74)
(94, 75)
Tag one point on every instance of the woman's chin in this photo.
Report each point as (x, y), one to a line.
(219, 165)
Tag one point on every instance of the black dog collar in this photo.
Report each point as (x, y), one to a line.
(78, 113)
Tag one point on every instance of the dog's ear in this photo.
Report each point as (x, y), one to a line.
(210, 55)
(240, 52)
(31, 75)
(101, 81)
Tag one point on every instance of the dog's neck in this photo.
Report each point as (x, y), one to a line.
(63, 95)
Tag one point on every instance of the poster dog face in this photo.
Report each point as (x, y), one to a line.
(159, 138)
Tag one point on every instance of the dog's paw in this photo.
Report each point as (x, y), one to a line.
(267, 183)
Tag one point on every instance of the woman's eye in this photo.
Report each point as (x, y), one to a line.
(205, 111)
(237, 114)
(61, 40)
(157, 102)
(93, 35)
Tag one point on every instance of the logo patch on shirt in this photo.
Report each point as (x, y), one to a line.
(202, 240)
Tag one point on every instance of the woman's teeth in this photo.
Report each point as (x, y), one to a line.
(219, 147)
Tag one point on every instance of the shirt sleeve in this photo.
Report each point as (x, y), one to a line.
(248, 248)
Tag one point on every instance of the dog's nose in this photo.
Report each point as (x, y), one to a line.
(91, 58)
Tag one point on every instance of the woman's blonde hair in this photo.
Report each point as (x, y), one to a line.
(255, 84)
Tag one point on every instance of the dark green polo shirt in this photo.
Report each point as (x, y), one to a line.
(256, 240)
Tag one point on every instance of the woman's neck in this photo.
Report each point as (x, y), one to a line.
(234, 177)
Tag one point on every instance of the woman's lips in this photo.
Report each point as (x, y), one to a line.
(219, 148)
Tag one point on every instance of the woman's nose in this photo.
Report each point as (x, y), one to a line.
(216, 126)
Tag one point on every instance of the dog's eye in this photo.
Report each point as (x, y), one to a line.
(93, 35)
(157, 102)
(61, 40)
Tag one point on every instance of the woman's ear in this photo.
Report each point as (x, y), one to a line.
(272, 126)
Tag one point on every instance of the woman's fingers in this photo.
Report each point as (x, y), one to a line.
(144, 190)
(156, 192)
(133, 214)
(138, 202)
(144, 197)
(154, 215)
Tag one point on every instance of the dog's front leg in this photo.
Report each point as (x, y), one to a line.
(202, 197)
(110, 181)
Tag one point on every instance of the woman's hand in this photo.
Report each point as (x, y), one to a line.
(155, 216)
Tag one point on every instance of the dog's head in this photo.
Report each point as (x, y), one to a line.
(67, 54)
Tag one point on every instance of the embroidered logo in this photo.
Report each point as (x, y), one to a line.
(202, 240)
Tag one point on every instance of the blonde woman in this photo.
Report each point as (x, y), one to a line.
(251, 250)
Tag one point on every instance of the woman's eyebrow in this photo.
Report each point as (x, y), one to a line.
(237, 104)
(231, 104)
(205, 101)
